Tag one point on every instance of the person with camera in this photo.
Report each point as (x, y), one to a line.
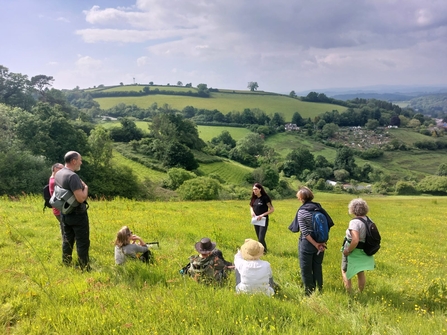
(128, 245)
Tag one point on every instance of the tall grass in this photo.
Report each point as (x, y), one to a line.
(406, 294)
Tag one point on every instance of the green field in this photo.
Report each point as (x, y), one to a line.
(137, 88)
(207, 133)
(138, 169)
(409, 136)
(230, 171)
(227, 102)
(406, 294)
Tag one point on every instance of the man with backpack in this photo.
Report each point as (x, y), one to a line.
(314, 223)
(75, 222)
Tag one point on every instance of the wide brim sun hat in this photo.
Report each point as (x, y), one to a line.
(252, 250)
(205, 245)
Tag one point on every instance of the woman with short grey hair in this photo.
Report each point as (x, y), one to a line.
(354, 260)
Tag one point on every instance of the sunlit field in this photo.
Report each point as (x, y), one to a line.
(406, 294)
(227, 102)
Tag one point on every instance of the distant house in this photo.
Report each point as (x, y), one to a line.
(291, 127)
(331, 182)
(357, 188)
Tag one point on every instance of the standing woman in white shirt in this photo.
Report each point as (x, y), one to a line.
(253, 275)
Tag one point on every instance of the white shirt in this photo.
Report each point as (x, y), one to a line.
(255, 275)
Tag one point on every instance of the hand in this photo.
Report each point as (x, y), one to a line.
(346, 252)
(321, 247)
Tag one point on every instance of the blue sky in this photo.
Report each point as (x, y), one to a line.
(283, 45)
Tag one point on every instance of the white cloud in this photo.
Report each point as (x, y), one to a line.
(87, 63)
(63, 19)
(141, 61)
(124, 35)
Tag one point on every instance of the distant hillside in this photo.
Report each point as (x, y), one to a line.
(377, 96)
(224, 101)
(434, 104)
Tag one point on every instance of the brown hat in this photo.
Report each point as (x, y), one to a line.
(205, 245)
(251, 250)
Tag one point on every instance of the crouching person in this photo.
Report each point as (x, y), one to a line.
(128, 245)
(209, 266)
(253, 275)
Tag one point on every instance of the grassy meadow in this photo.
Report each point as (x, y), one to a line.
(406, 294)
(227, 102)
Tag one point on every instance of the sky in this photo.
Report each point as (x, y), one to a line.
(283, 45)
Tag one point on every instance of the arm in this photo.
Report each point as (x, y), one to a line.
(252, 212)
(270, 211)
(136, 238)
(355, 238)
(81, 194)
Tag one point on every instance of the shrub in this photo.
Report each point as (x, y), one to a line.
(406, 188)
(433, 185)
(177, 177)
(200, 188)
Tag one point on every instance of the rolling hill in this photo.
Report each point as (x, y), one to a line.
(224, 101)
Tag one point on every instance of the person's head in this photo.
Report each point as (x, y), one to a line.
(358, 207)
(123, 237)
(205, 246)
(304, 194)
(258, 190)
(73, 160)
(56, 167)
(251, 250)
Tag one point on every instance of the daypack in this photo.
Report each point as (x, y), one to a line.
(63, 200)
(373, 238)
(321, 222)
(320, 226)
(46, 197)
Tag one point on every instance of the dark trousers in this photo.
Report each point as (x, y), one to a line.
(76, 229)
(61, 225)
(261, 232)
(311, 266)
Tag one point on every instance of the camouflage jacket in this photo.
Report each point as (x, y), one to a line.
(207, 270)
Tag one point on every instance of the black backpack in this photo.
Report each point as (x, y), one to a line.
(373, 238)
(46, 197)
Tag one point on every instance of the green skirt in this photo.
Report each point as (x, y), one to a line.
(358, 261)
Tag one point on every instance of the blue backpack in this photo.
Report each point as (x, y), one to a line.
(320, 226)
(321, 221)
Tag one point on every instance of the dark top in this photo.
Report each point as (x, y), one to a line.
(69, 180)
(260, 205)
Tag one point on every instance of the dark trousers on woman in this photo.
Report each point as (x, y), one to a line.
(76, 229)
(311, 266)
(261, 232)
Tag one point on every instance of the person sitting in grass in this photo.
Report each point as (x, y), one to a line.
(209, 266)
(128, 245)
(253, 275)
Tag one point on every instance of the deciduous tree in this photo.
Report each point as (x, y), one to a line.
(253, 85)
